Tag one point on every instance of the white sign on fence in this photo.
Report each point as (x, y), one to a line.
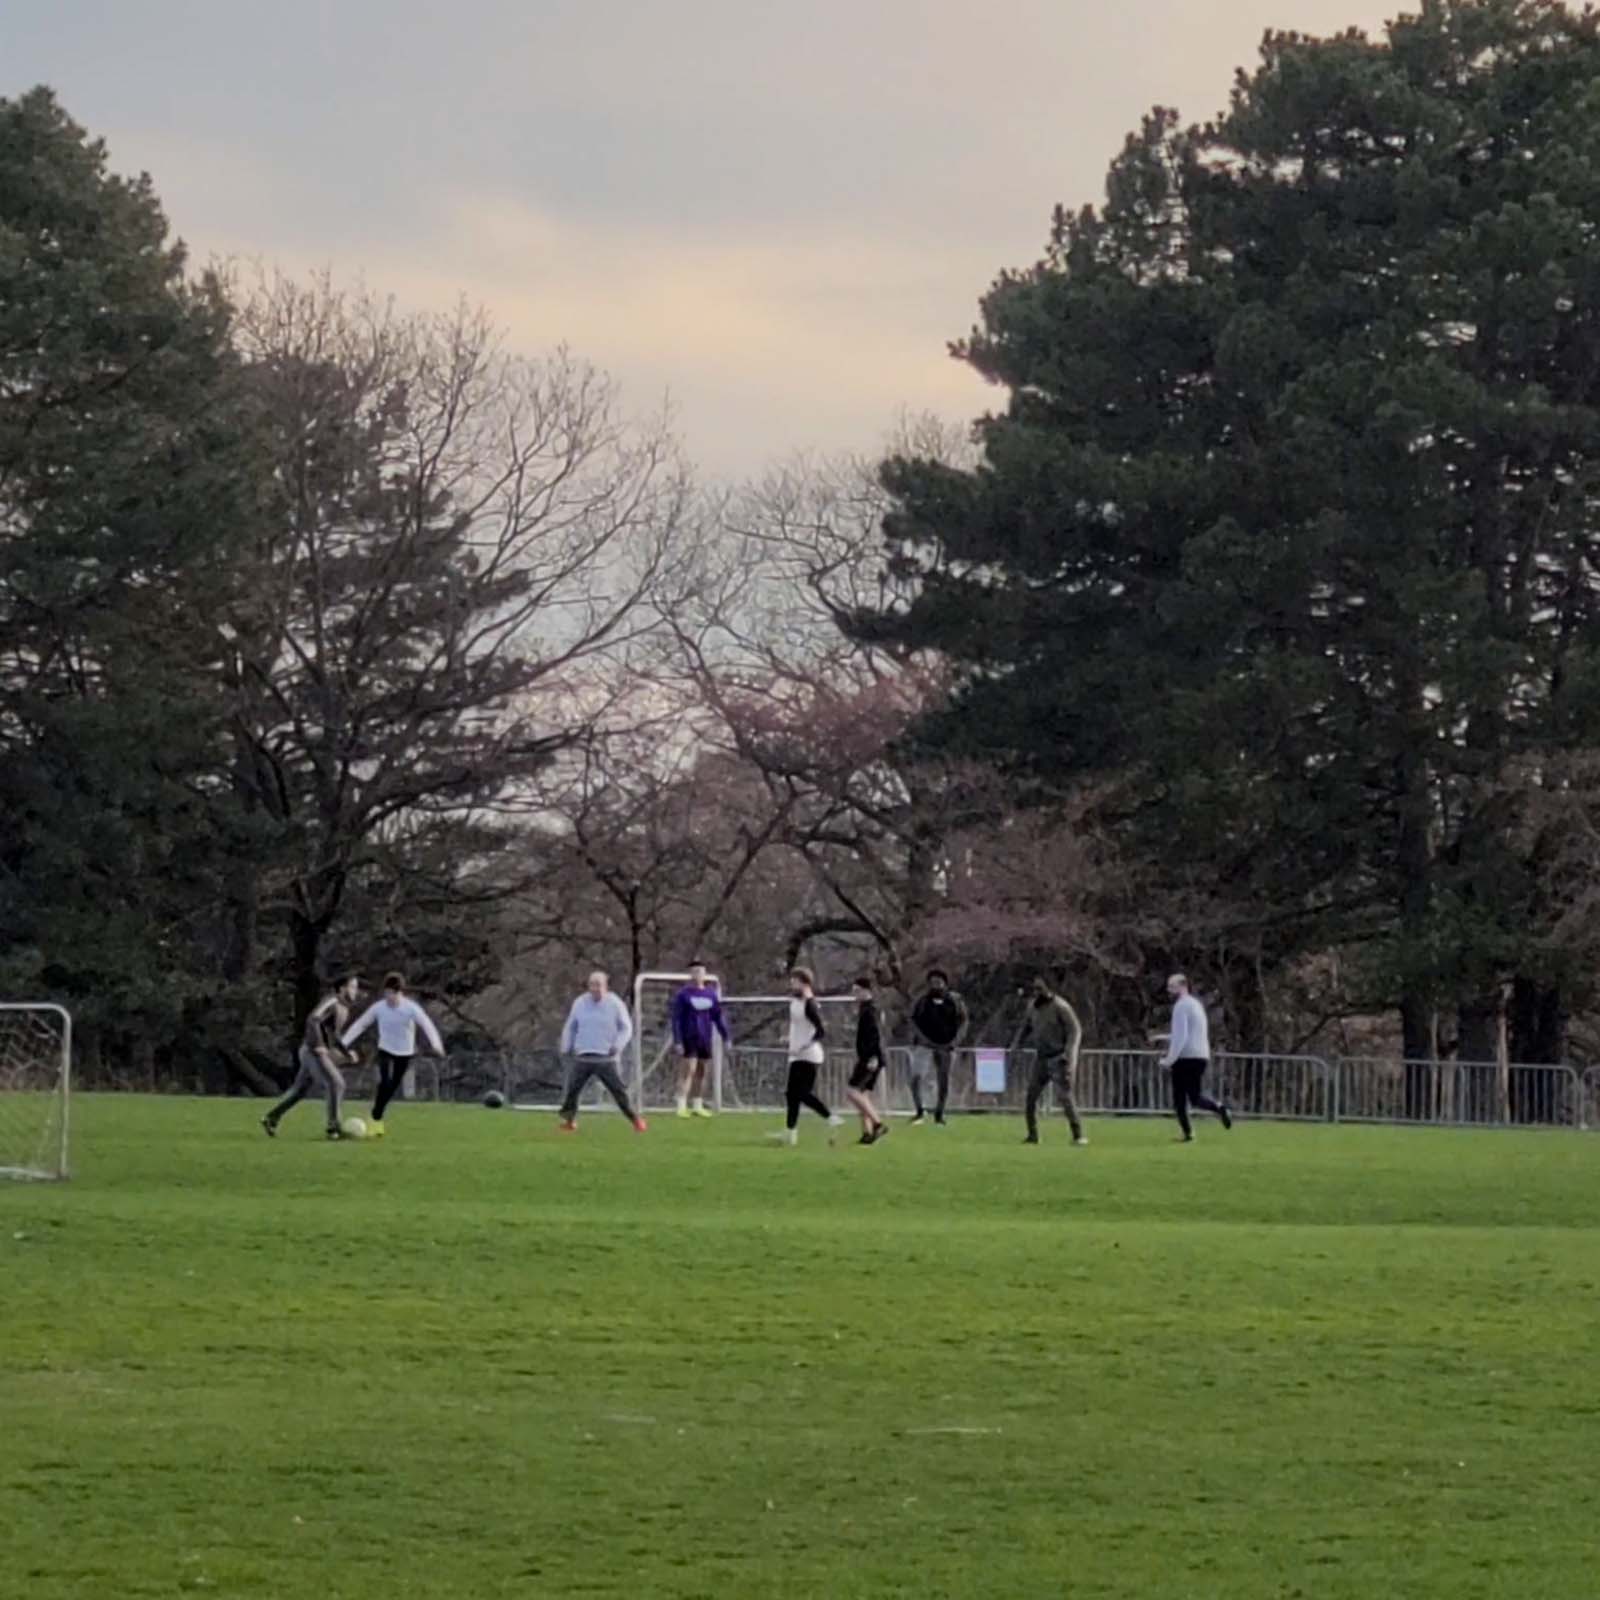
(989, 1071)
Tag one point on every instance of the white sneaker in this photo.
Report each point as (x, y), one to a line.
(785, 1136)
(1081, 1139)
(836, 1121)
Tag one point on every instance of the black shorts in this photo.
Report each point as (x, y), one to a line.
(864, 1077)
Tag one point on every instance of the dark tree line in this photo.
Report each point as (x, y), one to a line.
(295, 593)
(1287, 528)
(1254, 631)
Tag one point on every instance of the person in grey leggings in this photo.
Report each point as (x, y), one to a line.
(317, 1058)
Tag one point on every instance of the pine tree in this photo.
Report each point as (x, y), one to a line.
(123, 476)
(1288, 516)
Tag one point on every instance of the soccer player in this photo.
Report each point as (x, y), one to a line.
(807, 1052)
(940, 1018)
(1056, 1036)
(398, 1017)
(319, 1045)
(696, 1017)
(1188, 1055)
(598, 1030)
(869, 1062)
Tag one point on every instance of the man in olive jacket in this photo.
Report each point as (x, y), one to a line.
(1056, 1036)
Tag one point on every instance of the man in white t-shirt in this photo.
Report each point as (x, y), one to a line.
(398, 1017)
(1188, 1055)
(807, 1055)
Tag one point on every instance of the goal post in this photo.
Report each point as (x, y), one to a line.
(35, 1087)
(655, 1061)
(749, 1075)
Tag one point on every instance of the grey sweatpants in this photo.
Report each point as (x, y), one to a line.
(605, 1069)
(313, 1074)
(1056, 1070)
(941, 1056)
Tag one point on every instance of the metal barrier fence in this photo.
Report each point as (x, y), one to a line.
(1275, 1088)
(1460, 1094)
(1109, 1083)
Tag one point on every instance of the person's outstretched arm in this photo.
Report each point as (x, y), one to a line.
(425, 1022)
(360, 1025)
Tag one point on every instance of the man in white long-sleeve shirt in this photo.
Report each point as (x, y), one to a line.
(598, 1030)
(398, 1017)
(1188, 1055)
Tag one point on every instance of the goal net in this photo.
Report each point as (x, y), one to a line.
(750, 1074)
(35, 1069)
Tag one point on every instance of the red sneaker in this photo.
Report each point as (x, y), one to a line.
(640, 1125)
(566, 1127)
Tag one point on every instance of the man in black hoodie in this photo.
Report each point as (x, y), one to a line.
(940, 1019)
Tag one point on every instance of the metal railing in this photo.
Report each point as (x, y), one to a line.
(1109, 1083)
(1459, 1094)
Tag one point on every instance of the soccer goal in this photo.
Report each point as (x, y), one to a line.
(750, 1075)
(35, 1077)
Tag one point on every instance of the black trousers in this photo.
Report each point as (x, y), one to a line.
(605, 1069)
(1188, 1074)
(392, 1072)
(802, 1091)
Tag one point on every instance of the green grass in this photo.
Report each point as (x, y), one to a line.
(480, 1361)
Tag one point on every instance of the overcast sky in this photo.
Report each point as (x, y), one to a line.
(777, 211)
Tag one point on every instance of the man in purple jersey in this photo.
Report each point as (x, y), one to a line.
(696, 1018)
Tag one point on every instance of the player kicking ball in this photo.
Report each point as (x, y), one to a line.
(696, 1021)
(318, 1060)
(869, 1063)
(398, 1017)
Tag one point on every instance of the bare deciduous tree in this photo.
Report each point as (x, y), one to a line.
(460, 534)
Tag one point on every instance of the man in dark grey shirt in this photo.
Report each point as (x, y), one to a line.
(318, 1057)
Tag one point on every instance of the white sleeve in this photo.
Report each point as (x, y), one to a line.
(360, 1025)
(426, 1024)
(1179, 1041)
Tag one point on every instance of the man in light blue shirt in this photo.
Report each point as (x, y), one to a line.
(598, 1030)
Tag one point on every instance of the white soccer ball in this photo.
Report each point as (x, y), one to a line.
(353, 1128)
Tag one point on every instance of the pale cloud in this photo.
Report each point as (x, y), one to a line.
(777, 212)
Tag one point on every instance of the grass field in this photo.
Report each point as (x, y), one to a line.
(477, 1360)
